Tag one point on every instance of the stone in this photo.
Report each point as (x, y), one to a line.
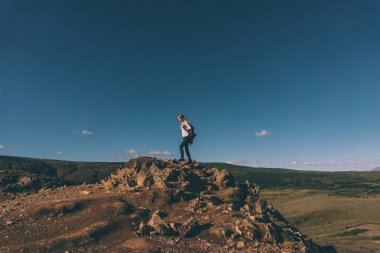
(189, 228)
(238, 231)
(159, 225)
(227, 233)
(240, 244)
(85, 192)
(143, 229)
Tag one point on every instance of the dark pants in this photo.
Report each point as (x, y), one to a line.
(185, 144)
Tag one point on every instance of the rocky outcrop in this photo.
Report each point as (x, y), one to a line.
(213, 205)
(13, 181)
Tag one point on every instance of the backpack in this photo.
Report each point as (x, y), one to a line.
(192, 134)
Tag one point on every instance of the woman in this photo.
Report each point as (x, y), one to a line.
(186, 137)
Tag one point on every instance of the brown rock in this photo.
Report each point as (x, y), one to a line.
(159, 225)
(240, 244)
(189, 228)
(143, 229)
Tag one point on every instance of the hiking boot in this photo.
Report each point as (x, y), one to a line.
(181, 160)
(189, 162)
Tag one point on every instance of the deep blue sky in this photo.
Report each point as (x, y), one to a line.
(84, 80)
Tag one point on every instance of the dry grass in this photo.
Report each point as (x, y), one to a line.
(324, 218)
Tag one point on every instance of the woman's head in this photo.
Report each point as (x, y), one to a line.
(181, 117)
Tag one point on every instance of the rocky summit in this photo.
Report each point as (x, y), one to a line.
(151, 205)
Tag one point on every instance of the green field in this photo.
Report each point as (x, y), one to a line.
(331, 219)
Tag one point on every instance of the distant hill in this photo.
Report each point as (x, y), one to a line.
(70, 172)
(73, 173)
(341, 183)
(376, 169)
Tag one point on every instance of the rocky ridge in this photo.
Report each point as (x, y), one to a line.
(218, 207)
(150, 205)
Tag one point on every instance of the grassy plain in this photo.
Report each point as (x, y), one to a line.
(351, 224)
(334, 208)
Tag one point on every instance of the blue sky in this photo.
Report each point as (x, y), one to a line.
(291, 84)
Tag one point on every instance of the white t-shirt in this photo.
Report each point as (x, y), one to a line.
(185, 126)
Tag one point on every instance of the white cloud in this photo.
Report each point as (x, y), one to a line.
(337, 165)
(237, 162)
(2, 146)
(311, 164)
(136, 153)
(263, 133)
(86, 132)
(244, 162)
(59, 153)
(334, 162)
(376, 160)
(133, 152)
(159, 153)
(357, 165)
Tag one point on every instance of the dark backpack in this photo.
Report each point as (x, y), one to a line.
(192, 134)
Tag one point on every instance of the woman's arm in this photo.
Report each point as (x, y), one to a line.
(187, 126)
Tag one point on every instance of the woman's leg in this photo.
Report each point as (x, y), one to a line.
(181, 148)
(187, 148)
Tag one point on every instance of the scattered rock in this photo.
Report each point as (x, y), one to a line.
(9, 223)
(240, 244)
(85, 192)
(189, 228)
(157, 224)
(143, 229)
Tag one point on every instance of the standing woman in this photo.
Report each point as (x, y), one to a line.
(186, 137)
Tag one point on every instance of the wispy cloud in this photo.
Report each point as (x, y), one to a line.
(136, 153)
(86, 132)
(311, 164)
(159, 153)
(337, 165)
(244, 162)
(133, 152)
(263, 133)
(375, 161)
(2, 146)
(59, 153)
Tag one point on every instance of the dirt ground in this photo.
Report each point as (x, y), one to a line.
(88, 215)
